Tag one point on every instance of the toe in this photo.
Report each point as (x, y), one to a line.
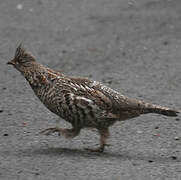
(99, 150)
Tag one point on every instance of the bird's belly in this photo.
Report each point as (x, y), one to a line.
(83, 118)
(78, 116)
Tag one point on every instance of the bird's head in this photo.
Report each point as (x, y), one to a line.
(22, 59)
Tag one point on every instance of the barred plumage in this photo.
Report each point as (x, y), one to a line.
(82, 102)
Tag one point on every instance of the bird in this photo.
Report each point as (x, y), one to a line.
(82, 102)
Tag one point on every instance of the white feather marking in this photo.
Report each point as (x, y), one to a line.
(83, 98)
(82, 87)
(72, 84)
(94, 83)
(88, 88)
(77, 85)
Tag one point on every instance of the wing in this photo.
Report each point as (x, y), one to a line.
(115, 101)
(120, 101)
(87, 97)
(104, 101)
(83, 87)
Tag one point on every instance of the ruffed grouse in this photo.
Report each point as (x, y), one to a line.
(82, 102)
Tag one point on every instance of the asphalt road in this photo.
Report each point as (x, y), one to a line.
(132, 46)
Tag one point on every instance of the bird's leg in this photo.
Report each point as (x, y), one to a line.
(68, 133)
(104, 134)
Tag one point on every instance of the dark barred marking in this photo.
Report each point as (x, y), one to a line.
(80, 111)
(91, 112)
(80, 101)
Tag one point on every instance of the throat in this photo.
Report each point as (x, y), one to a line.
(36, 79)
(41, 76)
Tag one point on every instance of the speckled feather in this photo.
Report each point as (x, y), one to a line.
(80, 101)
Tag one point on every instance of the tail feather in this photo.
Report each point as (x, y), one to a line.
(167, 112)
(162, 110)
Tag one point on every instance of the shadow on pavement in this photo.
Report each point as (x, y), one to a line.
(55, 151)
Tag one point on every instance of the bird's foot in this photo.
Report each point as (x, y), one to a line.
(49, 131)
(68, 133)
(99, 149)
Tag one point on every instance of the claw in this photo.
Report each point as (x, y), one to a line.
(49, 131)
(107, 145)
(99, 150)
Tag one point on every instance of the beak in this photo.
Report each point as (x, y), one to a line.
(11, 62)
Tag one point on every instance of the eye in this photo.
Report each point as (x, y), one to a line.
(21, 60)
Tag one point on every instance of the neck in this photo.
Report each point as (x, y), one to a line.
(39, 75)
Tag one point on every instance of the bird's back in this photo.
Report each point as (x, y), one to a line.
(86, 102)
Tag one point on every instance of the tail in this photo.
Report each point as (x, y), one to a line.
(151, 108)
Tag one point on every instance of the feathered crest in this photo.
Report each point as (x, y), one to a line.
(21, 53)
